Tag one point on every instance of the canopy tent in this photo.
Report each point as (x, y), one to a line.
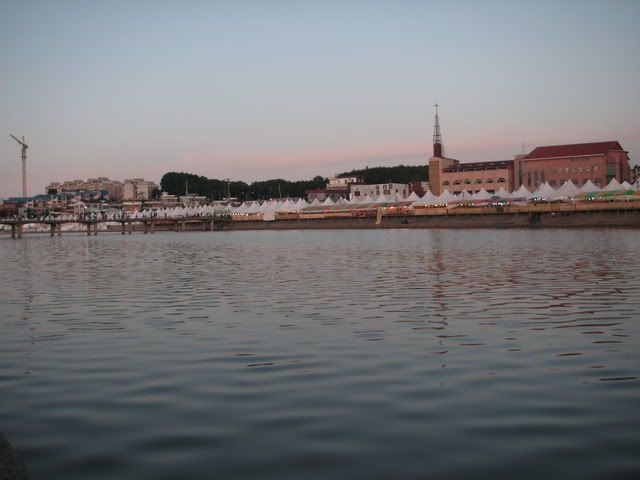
(502, 193)
(566, 190)
(328, 202)
(315, 202)
(521, 193)
(626, 185)
(444, 198)
(413, 197)
(482, 194)
(544, 192)
(613, 186)
(426, 198)
(589, 187)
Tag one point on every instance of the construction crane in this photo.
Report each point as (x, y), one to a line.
(24, 163)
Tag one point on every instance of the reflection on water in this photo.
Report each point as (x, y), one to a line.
(340, 354)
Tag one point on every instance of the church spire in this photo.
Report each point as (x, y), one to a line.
(438, 149)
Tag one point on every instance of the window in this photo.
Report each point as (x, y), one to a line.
(446, 183)
(489, 180)
(502, 180)
(456, 182)
(467, 181)
(478, 180)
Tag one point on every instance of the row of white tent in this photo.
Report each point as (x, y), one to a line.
(545, 192)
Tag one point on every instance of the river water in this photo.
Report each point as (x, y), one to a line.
(323, 354)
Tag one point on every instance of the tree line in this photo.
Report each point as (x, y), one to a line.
(178, 183)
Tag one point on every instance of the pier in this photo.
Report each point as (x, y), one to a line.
(124, 225)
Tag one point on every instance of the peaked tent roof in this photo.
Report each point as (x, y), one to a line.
(482, 194)
(444, 198)
(573, 150)
(567, 190)
(613, 186)
(522, 192)
(413, 197)
(589, 187)
(426, 199)
(544, 191)
(502, 193)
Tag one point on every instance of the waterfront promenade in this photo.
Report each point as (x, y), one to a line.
(609, 214)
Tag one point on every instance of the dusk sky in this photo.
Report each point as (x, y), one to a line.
(293, 89)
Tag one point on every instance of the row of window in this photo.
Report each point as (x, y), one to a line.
(466, 181)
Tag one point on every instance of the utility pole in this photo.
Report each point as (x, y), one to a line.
(24, 162)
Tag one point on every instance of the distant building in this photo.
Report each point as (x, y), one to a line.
(167, 200)
(599, 162)
(321, 194)
(337, 187)
(112, 188)
(342, 182)
(138, 189)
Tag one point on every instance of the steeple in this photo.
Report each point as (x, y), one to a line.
(438, 149)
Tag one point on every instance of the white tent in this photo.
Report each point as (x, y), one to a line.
(426, 199)
(300, 204)
(328, 202)
(444, 198)
(481, 195)
(567, 190)
(613, 186)
(413, 197)
(315, 202)
(464, 195)
(589, 187)
(544, 191)
(522, 192)
(626, 185)
(502, 193)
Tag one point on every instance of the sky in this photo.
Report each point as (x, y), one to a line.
(253, 90)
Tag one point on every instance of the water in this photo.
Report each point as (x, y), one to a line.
(327, 354)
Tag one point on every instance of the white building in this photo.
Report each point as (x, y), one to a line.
(137, 189)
